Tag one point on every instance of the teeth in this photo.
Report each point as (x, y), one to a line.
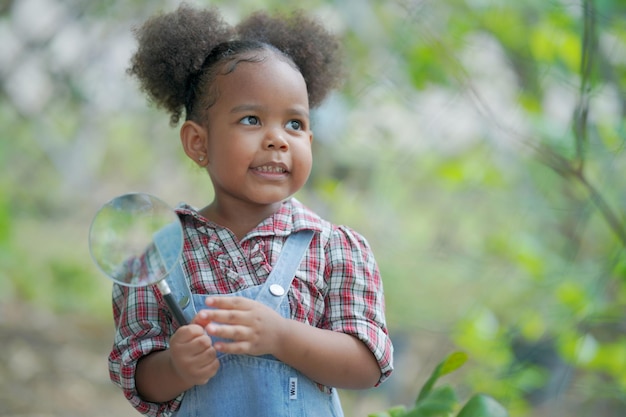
(274, 169)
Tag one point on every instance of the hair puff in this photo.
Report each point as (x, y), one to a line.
(172, 47)
(314, 50)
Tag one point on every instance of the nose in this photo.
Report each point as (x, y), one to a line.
(275, 139)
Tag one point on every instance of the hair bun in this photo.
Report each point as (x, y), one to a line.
(172, 48)
(313, 49)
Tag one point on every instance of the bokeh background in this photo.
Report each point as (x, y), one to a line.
(477, 144)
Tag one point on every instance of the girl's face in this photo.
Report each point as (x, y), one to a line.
(258, 133)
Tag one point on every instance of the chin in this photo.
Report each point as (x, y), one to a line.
(270, 201)
(270, 198)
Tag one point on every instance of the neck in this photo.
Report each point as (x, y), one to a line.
(240, 218)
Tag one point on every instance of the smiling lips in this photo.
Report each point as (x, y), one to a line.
(271, 169)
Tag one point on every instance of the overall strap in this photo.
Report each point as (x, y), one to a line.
(169, 243)
(279, 281)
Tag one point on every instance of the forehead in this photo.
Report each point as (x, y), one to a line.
(261, 75)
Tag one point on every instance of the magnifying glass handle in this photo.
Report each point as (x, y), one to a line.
(171, 302)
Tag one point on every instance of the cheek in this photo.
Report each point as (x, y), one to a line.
(231, 155)
(304, 159)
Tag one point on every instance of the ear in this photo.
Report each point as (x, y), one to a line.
(194, 140)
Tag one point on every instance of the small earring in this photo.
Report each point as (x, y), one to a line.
(201, 158)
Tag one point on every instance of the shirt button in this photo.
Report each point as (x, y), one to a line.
(277, 290)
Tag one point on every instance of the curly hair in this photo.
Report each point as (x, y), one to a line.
(180, 53)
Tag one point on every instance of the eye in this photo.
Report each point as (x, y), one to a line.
(294, 125)
(250, 120)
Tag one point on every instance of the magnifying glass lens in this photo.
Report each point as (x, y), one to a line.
(121, 239)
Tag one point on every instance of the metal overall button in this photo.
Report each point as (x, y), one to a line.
(184, 301)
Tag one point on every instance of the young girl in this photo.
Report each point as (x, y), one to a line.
(252, 349)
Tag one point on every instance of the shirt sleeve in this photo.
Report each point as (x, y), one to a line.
(142, 326)
(355, 300)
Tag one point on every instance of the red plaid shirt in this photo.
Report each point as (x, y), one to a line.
(337, 287)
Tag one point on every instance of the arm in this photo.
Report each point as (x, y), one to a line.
(139, 332)
(156, 380)
(330, 358)
(141, 361)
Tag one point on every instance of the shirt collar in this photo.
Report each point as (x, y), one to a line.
(292, 216)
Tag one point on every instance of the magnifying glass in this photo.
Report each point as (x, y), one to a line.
(136, 240)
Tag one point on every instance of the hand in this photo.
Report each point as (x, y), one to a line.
(253, 327)
(193, 356)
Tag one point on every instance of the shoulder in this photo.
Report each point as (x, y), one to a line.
(305, 218)
(332, 237)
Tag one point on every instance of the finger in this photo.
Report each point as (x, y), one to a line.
(233, 347)
(187, 333)
(205, 355)
(201, 319)
(201, 344)
(229, 331)
(191, 360)
(201, 370)
(226, 317)
(187, 355)
(230, 303)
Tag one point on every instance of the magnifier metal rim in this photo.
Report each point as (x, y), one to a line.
(153, 199)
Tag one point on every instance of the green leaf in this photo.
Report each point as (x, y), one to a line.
(453, 362)
(395, 411)
(428, 411)
(481, 405)
(440, 402)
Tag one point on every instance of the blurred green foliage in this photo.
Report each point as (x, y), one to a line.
(478, 144)
(442, 401)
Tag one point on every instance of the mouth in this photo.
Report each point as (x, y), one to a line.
(271, 169)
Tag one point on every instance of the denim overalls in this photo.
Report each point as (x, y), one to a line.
(258, 386)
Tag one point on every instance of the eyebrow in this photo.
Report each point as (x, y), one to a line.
(254, 107)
